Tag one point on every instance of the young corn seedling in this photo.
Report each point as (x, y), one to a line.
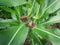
(29, 22)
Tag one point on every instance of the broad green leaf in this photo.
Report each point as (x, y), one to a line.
(32, 42)
(43, 7)
(14, 17)
(54, 19)
(2, 26)
(54, 6)
(56, 36)
(58, 12)
(52, 35)
(40, 34)
(14, 35)
(49, 6)
(7, 22)
(31, 8)
(35, 38)
(19, 12)
(8, 9)
(54, 40)
(12, 2)
(5, 35)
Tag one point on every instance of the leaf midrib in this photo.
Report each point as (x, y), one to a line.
(48, 8)
(48, 32)
(15, 34)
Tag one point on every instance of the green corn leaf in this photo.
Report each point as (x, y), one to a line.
(8, 9)
(14, 35)
(54, 40)
(35, 38)
(58, 37)
(32, 42)
(54, 6)
(11, 3)
(49, 6)
(52, 20)
(7, 23)
(51, 35)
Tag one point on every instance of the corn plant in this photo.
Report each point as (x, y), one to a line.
(30, 23)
